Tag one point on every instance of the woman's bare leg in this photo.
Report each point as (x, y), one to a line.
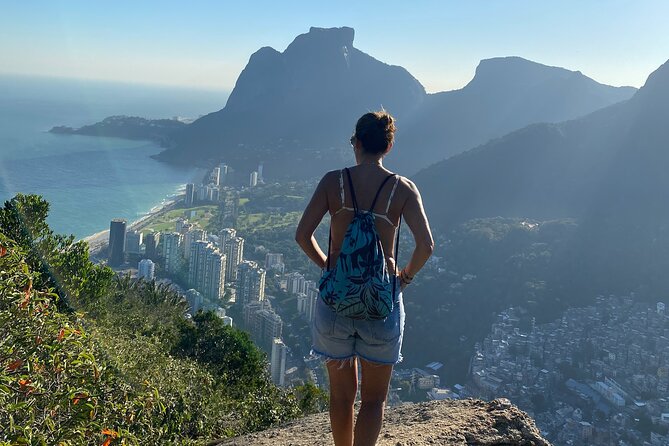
(373, 393)
(343, 377)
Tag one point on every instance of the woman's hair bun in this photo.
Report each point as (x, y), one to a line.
(376, 131)
(386, 120)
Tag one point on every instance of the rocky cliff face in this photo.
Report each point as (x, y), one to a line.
(462, 422)
(292, 104)
(298, 108)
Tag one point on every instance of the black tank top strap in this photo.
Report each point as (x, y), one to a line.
(350, 185)
(378, 192)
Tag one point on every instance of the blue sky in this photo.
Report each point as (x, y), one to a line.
(207, 43)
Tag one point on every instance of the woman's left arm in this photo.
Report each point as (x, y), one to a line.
(310, 220)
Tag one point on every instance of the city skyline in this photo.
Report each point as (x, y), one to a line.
(207, 44)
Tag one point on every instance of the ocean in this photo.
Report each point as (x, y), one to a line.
(89, 180)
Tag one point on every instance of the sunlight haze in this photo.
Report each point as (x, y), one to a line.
(206, 44)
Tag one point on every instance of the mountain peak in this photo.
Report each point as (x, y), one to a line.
(515, 69)
(318, 38)
(509, 61)
(657, 82)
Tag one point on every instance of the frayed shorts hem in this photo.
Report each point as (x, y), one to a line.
(380, 362)
(327, 358)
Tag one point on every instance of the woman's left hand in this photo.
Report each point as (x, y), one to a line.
(403, 285)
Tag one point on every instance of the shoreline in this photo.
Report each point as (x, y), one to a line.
(99, 240)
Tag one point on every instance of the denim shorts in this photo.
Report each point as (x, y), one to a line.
(337, 337)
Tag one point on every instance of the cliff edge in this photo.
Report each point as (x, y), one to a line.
(456, 422)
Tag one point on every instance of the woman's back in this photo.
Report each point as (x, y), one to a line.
(367, 181)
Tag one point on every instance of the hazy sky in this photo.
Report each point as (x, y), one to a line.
(207, 43)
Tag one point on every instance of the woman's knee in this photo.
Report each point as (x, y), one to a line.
(343, 395)
(373, 402)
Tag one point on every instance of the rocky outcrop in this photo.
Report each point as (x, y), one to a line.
(458, 422)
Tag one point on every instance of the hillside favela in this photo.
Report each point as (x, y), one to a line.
(186, 188)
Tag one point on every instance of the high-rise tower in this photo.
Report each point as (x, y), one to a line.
(117, 242)
(234, 250)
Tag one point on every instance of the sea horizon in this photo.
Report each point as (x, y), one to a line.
(90, 180)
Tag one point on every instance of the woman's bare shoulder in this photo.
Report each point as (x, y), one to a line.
(329, 178)
(407, 187)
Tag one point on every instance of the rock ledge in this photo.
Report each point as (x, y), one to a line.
(460, 422)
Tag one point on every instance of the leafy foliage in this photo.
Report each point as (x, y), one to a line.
(58, 261)
(54, 389)
(122, 365)
(229, 353)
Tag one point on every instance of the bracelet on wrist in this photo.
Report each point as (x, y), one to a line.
(405, 278)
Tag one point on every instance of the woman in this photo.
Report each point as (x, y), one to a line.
(373, 345)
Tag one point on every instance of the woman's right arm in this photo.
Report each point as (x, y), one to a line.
(311, 218)
(414, 215)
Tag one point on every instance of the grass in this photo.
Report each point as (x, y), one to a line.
(261, 222)
(167, 221)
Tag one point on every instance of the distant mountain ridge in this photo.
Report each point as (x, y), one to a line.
(506, 93)
(607, 169)
(298, 108)
(555, 170)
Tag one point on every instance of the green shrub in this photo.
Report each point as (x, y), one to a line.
(53, 388)
(87, 357)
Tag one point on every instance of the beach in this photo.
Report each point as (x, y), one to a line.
(100, 240)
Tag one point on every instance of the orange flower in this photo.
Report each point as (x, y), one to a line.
(111, 434)
(24, 302)
(28, 288)
(3, 251)
(61, 334)
(15, 365)
(77, 397)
